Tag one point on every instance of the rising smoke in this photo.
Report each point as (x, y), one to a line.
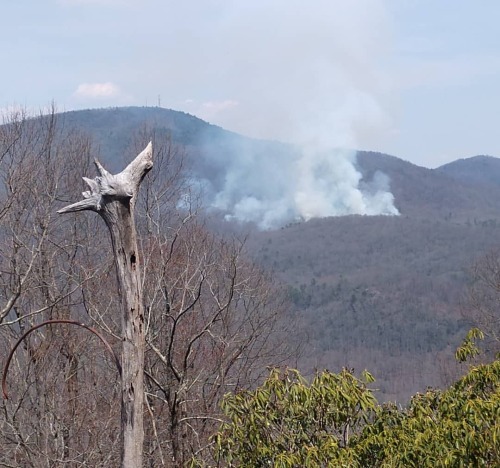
(272, 184)
(306, 73)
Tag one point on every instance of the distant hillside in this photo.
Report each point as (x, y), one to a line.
(209, 149)
(451, 192)
(113, 129)
(477, 170)
(382, 293)
(375, 292)
(463, 191)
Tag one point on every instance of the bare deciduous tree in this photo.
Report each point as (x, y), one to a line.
(47, 420)
(212, 320)
(482, 302)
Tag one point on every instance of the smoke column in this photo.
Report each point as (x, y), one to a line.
(305, 73)
(274, 184)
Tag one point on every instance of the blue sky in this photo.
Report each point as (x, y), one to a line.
(418, 79)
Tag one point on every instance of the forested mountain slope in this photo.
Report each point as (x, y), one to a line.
(455, 192)
(382, 293)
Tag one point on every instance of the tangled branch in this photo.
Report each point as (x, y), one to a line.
(50, 322)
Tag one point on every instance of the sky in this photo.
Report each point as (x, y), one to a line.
(418, 79)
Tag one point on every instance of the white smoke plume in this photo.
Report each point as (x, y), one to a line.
(275, 184)
(306, 73)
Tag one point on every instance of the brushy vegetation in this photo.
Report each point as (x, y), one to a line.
(335, 421)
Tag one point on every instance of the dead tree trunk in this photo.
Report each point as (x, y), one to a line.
(113, 197)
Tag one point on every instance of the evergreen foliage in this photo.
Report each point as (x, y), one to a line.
(335, 421)
(456, 427)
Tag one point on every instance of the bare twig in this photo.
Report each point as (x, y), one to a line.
(51, 322)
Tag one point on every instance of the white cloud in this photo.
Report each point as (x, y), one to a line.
(97, 90)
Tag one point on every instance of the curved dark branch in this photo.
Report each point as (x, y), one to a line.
(50, 322)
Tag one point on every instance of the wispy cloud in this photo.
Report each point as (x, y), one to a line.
(97, 90)
(209, 109)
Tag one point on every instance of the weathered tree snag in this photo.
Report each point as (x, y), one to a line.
(113, 197)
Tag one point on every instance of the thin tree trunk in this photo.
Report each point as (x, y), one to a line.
(113, 197)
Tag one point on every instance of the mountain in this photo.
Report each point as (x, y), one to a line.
(477, 170)
(452, 191)
(460, 191)
(378, 292)
(113, 129)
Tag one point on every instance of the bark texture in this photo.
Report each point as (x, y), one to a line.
(113, 197)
